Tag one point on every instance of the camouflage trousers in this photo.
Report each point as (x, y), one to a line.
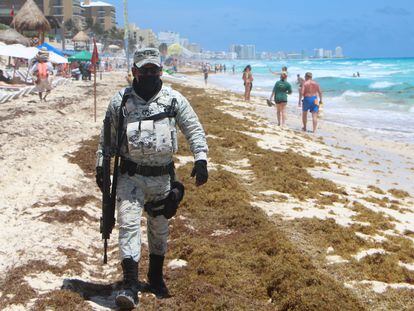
(132, 193)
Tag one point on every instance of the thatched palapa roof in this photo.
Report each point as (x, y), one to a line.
(30, 17)
(81, 36)
(11, 36)
(53, 21)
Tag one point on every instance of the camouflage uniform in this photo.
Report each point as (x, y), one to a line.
(150, 143)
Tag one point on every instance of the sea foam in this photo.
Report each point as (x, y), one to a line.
(382, 84)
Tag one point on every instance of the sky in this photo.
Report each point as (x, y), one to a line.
(363, 28)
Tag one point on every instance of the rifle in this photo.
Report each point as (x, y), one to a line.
(108, 194)
(108, 204)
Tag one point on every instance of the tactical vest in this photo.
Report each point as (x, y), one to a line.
(149, 129)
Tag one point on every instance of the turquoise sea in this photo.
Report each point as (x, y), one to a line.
(381, 100)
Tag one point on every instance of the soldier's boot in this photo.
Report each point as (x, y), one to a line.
(127, 298)
(155, 277)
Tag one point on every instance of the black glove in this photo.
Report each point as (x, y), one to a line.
(99, 177)
(200, 172)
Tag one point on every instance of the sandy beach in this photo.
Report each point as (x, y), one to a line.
(288, 220)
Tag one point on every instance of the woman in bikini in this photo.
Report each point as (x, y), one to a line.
(248, 82)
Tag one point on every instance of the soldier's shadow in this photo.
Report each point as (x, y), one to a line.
(101, 294)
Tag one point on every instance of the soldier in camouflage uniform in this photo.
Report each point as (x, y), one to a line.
(149, 139)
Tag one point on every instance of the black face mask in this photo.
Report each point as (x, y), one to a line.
(147, 86)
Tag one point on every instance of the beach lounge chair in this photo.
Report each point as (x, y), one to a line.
(24, 76)
(17, 94)
(32, 89)
(6, 98)
(9, 87)
(27, 90)
(57, 82)
(3, 98)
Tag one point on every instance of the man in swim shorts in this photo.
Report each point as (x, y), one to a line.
(310, 92)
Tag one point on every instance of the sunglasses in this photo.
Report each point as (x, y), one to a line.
(149, 71)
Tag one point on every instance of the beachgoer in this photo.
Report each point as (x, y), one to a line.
(174, 65)
(233, 69)
(3, 78)
(151, 112)
(41, 70)
(358, 75)
(310, 92)
(299, 82)
(205, 71)
(82, 70)
(280, 91)
(276, 73)
(224, 68)
(248, 82)
(88, 70)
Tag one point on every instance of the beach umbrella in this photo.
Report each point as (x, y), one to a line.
(81, 36)
(51, 48)
(11, 36)
(18, 50)
(178, 50)
(113, 47)
(69, 52)
(175, 49)
(82, 56)
(56, 58)
(31, 18)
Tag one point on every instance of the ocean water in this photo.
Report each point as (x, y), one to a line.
(381, 100)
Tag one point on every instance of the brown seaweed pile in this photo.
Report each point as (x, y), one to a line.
(255, 265)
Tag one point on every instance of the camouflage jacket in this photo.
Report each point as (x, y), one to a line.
(138, 145)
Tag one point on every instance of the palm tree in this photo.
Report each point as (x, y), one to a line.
(112, 36)
(89, 22)
(132, 45)
(71, 27)
(141, 39)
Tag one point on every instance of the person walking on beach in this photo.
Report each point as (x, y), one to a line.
(299, 82)
(276, 73)
(41, 70)
(248, 82)
(205, 71)
(150, 112)
(280, 92)
(233, 69)
(310, 92)
(3, 78)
